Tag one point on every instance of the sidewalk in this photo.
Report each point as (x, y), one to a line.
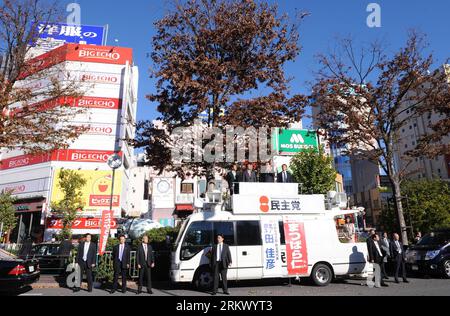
(56, 282)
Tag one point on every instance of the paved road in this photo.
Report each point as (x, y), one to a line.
(417, 287)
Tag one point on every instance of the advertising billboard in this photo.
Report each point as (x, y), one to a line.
(290, 142)
(96, 194)
(163, 196)
(80, 34)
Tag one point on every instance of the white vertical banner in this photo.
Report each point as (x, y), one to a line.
(270, 231)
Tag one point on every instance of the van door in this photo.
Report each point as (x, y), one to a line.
(249, 250)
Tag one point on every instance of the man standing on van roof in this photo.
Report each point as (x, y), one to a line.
(220, 262)
(285, 176)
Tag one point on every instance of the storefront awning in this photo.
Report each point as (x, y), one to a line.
(185, 208)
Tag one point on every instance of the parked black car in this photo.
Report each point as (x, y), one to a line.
(16, 273)
(53, 257)
(431, 256)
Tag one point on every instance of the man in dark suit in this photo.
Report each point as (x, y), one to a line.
(285, 176)
(121, 263)
(220, 262)
(146, 261)
(249, 175)
(399, 257)
(233, 177)
(86, 259)
(376, 256)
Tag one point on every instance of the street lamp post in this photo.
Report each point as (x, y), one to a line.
(114, 162)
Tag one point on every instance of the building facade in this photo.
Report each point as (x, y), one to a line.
(110, 82)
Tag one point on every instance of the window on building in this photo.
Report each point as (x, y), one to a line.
(187, 188)
(248, 233)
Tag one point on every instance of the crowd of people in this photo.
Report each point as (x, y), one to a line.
(86, 260)
(381, 250)
(266, 174)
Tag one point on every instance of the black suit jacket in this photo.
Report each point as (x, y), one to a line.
(231, 179)
(373, 252)
(394, 251)
(226, 256)
(290, 178)
(141, 256)
(125, 257)
(92, 253)
(249, 178)
(267, 178)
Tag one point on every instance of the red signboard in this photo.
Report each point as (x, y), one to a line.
(81, 223)
(25, 160)
(296, 248)
(99, 54)
(76, 155)
(104, 200)
(107, 220)
(73, 155)
(78, 52)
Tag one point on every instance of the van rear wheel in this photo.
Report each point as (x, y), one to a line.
(204, 279)
(322, 275)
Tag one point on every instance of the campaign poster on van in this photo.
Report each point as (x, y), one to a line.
(271, 248)
(296, 248)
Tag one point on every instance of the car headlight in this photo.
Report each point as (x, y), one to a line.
(432, 254)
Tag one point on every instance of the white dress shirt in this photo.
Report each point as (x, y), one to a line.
(121, 247)
(86, 250)
(377, 245)
(145, 251)
(398, 247)
(219, 252)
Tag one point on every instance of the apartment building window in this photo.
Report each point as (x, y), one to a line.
(406, 146)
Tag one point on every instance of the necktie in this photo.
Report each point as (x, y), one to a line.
(219, 255)
(121, 252)
(284, 177)
(398, 247)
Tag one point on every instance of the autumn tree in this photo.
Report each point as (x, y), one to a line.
(223, 59)
(315, 171)
(366, 97)
(68, 208)
(27, 122)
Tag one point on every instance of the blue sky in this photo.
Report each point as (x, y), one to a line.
(131, 23)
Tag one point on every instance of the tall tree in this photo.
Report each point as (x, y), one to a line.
(69, 207)
(8, 220)
(27, 123)
(314, 170)
(366, 97)
(209, 57)
(427, 203)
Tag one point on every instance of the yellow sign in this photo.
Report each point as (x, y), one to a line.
(96, 192)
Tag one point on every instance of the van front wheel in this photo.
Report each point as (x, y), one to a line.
(204, 279)
(322, 275)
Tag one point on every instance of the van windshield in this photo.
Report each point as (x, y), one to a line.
(198, 237)
(435, 239)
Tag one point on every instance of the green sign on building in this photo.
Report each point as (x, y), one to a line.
(291, 142)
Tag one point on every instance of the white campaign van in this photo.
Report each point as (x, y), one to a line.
(273, 232)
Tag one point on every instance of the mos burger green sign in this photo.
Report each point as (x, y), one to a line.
(291, 142)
